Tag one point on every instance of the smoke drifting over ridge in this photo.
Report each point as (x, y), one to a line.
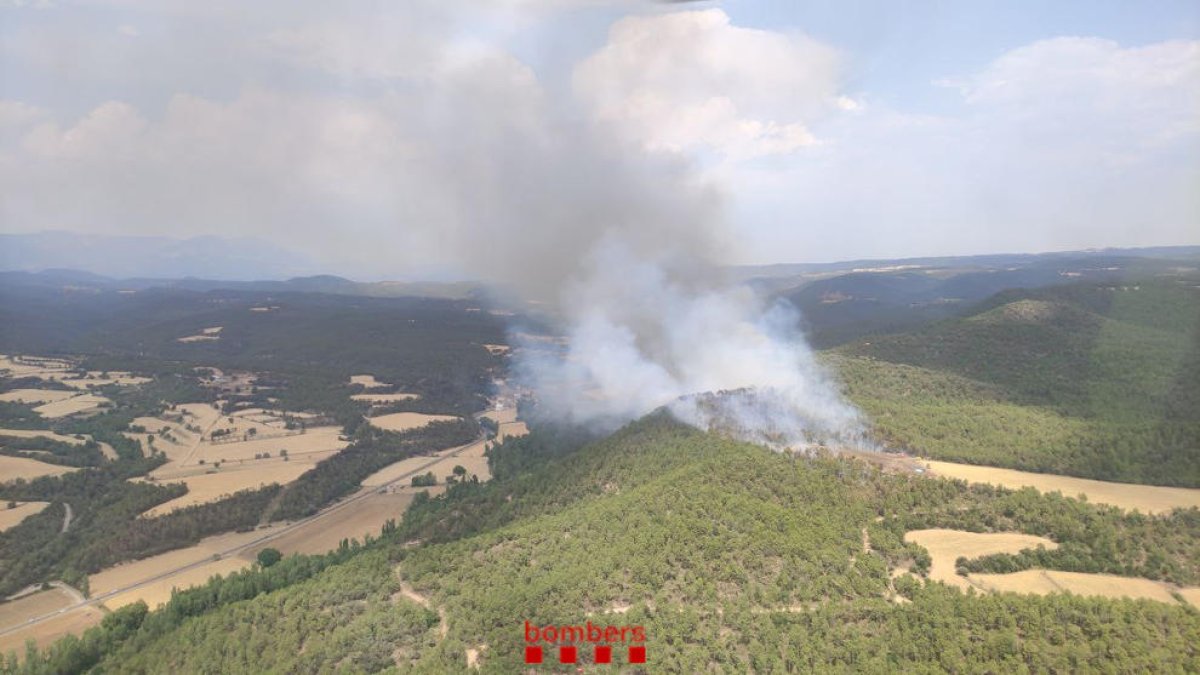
(628, 245)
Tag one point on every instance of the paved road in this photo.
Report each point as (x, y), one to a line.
(361, 494)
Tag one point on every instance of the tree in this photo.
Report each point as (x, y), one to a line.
(459, 470)
(269, 556)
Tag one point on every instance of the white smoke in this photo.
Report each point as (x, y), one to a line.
(645, 329)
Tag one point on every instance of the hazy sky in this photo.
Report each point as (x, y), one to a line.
(359, 132)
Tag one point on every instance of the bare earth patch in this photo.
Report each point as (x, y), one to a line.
(407, 420)
(12, 468)
(13, 517)
(1148, 499)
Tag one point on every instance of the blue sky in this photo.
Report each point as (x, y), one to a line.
(799, 130)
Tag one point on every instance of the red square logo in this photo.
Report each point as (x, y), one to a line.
(533, 654)
(567, 654)
(637, 654)
(603, 654)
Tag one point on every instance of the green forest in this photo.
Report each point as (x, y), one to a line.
(733, 557)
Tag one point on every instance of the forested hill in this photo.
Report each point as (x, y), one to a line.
(1095, 380)
(730, 557)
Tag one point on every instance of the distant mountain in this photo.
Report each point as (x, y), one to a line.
(76, 280)
(888, 296)
(151, 257)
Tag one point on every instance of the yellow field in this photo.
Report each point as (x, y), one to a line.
(497, 349)
(36, 395)
(368, 381)
(1043, 582)
(134, 572)
(206, 487)
(158, 592)
(96, 378)
(384, 398)
(49, 368)
(1192, 595)
(71, 406)
(13, 517)
(512, 430)
(946, 546)
(406, 420)
(12, 468)
(39, 433)
(315, 440)
(16, 612)
(363, 517)
(1145, 498)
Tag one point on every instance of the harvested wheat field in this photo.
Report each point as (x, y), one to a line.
(300, 447)
(96, 378)
(474, 465)
(354, 521)
(12, 468)
(34, 367)
(496, 350)
(1192, 595)
(947, 546)
(1043, 582)
(512, 430)
(406, 420)
(139, 571)
(18, 611)
(159, 592)
(41, 433)
(13, 517)
(203, 337)
(36, 395)
(204, 487)
(384, 398)
(1148, 499)
(368, 381)
(404, 467)
(72, 406)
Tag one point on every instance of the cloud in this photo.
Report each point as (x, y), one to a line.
(1059, 144)
(689, 81)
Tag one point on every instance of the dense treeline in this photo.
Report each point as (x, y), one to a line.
(946, 416)
(106, 528)
(130, 628)
(733, 558)
(371, 451)
(50, 451)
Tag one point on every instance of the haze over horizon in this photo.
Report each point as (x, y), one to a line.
(384, 141)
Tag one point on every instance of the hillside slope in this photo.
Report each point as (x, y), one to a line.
(1090, 380)
(730, 557)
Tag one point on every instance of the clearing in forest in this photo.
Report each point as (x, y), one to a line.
(12, 468)
(368, 381)
(36, 395)
(384, 398)
(72, 406)
(947, 546)
(407, 420)
(13, 517)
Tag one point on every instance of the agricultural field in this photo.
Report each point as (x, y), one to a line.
(208, 485)
(368, 382)
(12, 516)
(36, 395)
(72, 622)
(12, 468)
(405, 421)
(83, 403)
(946, 546)
(1043, 582)
(200, 560)
(1127, 496)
